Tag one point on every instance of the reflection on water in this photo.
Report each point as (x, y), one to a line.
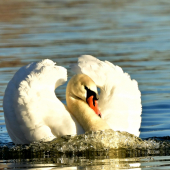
(95, 162)
(79, 163)
(131, 34)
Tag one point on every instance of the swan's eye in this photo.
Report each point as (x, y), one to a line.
(91, 93)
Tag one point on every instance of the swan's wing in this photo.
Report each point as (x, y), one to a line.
(120, 98)
(32, 110)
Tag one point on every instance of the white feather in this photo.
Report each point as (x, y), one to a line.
(120, 98)
(32, 110)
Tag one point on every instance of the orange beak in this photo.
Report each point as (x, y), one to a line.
(94, 105)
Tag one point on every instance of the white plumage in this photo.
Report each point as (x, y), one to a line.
(120, 98)
(33, 112)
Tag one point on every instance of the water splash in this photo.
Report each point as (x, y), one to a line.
(99, 141)
(94, 141)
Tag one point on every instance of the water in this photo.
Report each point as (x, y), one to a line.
(131, 34)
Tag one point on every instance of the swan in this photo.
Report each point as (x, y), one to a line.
(33, 112)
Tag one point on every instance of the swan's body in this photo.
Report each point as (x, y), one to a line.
(33, 112)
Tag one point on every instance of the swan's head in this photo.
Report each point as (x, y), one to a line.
(82, 87)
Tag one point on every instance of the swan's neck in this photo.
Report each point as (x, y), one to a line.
(85, 115)
(76, 95)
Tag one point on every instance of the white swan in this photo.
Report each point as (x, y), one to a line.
(33, 112)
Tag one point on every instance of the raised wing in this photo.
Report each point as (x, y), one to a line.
(120, 98)
(32, 110)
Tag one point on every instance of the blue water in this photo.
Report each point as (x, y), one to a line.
(132, 34)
